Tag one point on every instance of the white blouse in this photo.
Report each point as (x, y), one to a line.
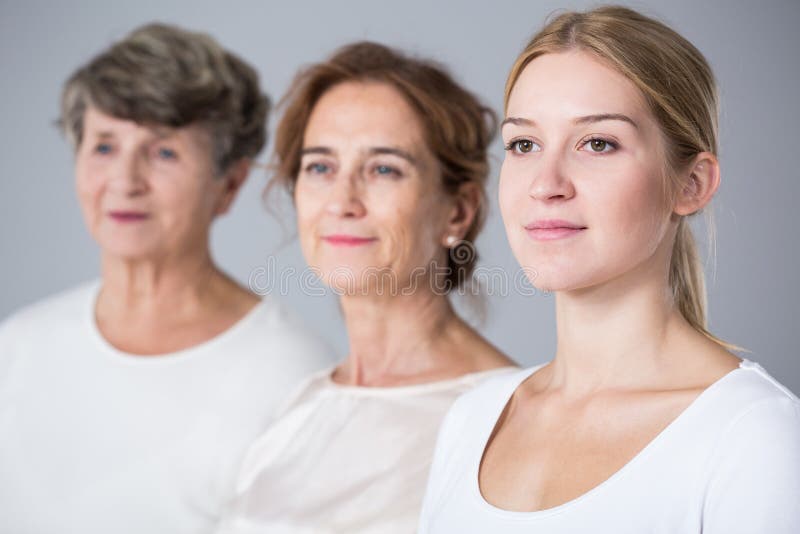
(344, 459)
(729, 464)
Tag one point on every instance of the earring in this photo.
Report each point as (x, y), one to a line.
(450, 240)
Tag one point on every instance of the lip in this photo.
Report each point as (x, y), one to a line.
(345, 240)
(552, 229)
(128, 216)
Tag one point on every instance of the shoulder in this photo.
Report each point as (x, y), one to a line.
(761, 419)
(754, 476)
(751, 386)
(497, 384)
(45, 323)
(66, 305)
(470, 381)
(274, 328)
(485, 402)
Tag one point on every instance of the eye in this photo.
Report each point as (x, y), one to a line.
(599, 145)
(317, 168)
(522, 146)
(166, 153)
(103, 148)
(386, 170)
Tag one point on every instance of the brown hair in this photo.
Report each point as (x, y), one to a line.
(458, 128)
(679, 88)
(164, 75)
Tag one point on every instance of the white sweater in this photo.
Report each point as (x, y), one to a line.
(93, 440)
(729, 464)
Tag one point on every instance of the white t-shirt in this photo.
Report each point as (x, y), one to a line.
(344, 459)
(94, 440)
(729, 464)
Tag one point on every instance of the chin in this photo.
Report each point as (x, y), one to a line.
(129, 251)
(552, 277)
(359, 279)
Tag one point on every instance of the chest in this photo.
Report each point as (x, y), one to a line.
(164, 335)
(541, 456)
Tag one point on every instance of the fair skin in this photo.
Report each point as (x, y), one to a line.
(369, 199)
(583, 149)
(148, 196)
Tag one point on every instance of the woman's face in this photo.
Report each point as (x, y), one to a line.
(368, 195)
(146, 192)
(581, 184)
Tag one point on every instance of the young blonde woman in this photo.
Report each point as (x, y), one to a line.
(643, 421)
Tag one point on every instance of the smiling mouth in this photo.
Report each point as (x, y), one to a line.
(348, 240)
(128, 216)
(552, 229)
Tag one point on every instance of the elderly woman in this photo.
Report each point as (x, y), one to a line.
(386, 158)
(125, 404)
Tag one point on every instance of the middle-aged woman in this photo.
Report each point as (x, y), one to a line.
(643, 421)
(386, 157)
(125, 404)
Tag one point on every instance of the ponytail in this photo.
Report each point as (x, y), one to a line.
(687, 280)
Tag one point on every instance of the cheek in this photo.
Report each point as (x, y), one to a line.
(637, 215)
(630, 220)
(513, 200)
(89, 187)
(410, 223)
(308, 205)
(186, 197)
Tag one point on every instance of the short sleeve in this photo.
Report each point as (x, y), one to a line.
(755, 480)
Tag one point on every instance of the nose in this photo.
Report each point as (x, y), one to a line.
(127, 176)
(345, 199)
(550, 181)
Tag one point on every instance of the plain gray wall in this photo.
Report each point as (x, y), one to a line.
(752, 46)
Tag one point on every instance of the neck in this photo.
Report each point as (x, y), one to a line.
(165, 285)
(616, 335)
(396, 336)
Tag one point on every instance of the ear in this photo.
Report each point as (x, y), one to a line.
(233, 180)
(701, 181)
(463, 210)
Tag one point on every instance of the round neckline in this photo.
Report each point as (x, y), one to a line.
(639, 457)
(410, 389)
(164, 357)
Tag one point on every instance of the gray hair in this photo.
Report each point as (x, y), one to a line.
(164, 75)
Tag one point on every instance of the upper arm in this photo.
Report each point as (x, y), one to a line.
(755, 481)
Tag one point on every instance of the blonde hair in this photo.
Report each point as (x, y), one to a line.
(679, 88)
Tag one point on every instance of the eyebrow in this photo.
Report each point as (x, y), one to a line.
(378, 150)
(315, 150)
(394, 152)
(517, 121)
(159, 133)
(587, 119)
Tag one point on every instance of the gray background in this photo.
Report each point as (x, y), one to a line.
(753, 49)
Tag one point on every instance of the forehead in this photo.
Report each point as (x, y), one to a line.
(195, 138)
(364, 112)
(573, 84)
(97, 122)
